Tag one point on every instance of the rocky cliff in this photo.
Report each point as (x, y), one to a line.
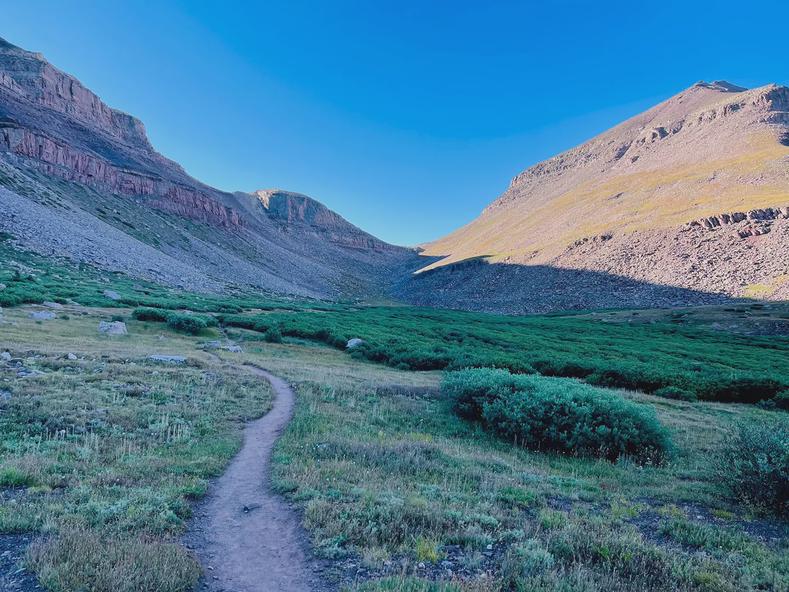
(92, 167)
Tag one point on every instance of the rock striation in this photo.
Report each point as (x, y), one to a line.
(110, 199)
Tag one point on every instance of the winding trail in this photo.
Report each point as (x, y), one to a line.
(246, 537)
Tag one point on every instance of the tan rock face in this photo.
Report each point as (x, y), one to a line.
(712, 148)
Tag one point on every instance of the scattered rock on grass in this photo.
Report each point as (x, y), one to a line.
(113, 328)
(167, 359)
(230, 346)
(43, 315)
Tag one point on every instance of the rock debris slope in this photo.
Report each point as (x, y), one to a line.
(692, 194)
(108, 198)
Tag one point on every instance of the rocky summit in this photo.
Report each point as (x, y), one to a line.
(687, 202)
(109, 199)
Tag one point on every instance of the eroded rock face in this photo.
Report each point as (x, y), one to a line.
(297, 210)
(684, 203)
(64, 129)
(111, 200)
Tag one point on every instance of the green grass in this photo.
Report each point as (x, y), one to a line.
(397, 478)
(108, 451)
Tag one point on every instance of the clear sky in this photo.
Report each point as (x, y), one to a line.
(407, 117)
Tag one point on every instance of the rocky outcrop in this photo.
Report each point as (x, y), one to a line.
(62, 160)
(757, 221)
(296, 210)
(633, 203)
(29, 75)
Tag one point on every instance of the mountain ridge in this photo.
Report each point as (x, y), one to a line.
(714, 152)
(92, 165)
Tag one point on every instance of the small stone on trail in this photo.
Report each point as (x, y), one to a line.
(249, 507)
(112, 327)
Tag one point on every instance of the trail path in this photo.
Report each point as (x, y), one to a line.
(247, 538)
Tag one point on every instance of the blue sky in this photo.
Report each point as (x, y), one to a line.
(406, 117)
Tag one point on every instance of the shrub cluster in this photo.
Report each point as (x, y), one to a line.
(558, 414)
(183, 322)
(646, 359)
(754, 465)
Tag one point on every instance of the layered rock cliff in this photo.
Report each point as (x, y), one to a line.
(90, 166)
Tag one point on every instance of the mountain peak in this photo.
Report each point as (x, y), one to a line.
(720, 85)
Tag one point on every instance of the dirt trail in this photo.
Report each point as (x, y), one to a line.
(247, 538)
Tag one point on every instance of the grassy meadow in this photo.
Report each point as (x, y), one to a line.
(103, 451)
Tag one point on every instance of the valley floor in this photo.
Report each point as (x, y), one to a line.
(105, 451)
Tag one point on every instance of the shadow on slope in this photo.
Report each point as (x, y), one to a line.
(478, 285)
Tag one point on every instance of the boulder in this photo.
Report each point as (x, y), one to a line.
(2, 287)
(112, 295)
(5, 356)
(71, 356)
(355, 342)
(55, 305)
(230, 346)
(165, 359)
(43, 315)
(113, 328)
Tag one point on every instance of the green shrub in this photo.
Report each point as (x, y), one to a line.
(754, 465)
(150, 314)
(780, 401)
(273, 335)
(629, 376)
(558, 414)
(472, 388)
(740, 389)
(186, 323)
(674, 392)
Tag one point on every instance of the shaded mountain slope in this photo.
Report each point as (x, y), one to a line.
(83, 181)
